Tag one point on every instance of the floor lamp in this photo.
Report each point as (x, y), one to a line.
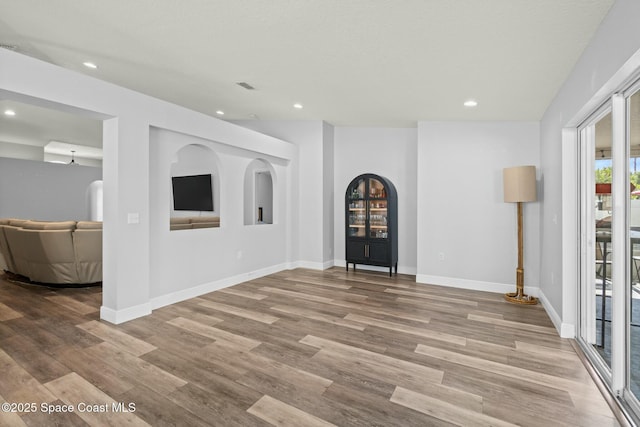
(519, 187)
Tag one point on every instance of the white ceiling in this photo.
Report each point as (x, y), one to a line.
(349, 62)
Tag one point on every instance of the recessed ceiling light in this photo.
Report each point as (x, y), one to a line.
(245, 85)
(470, 103)
(90, 65)
(297, 105)
(9, 113)
(220, 113)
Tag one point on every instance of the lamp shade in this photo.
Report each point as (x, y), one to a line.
(519, 184)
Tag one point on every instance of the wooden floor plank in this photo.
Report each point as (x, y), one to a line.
(137, 369)
(72, 304)
(421, 332)
(74, 390)
(500, 368)
(17, 385)
(371, 361)
(428, 296)
(215, 333)
(280, 414)
(445, 410)
(7, 313)
(314, 315)
(119, 339)
(248, 314)
(244, 294)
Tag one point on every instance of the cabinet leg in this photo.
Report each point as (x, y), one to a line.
(396, 268)
(347, 267)
(390, 271)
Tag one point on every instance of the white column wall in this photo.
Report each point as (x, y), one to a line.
(126, 219)
(328, 151)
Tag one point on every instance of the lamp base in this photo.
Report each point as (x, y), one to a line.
(520, 298)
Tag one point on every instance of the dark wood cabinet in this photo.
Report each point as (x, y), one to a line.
(371, 222)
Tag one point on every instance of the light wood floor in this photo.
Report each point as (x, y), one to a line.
(297, 348)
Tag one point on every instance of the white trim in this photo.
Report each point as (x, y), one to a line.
(206, 288)
(619, 241)
(566, 330)
(120, 316)
(476, 285)
(311, 265)
(130, 313)
(570, 236)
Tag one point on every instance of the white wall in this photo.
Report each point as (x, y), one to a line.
(466, 234)
(311, 171)
(44, 191)
(186, 261)
(608, 60)
(130, 187)
(389, 152)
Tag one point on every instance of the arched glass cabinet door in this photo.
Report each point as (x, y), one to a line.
(357, 216)
(377, 210)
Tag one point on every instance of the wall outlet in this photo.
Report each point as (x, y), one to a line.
(133, 218)
(441, 256)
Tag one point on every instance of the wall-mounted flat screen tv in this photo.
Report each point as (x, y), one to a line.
(192, 193)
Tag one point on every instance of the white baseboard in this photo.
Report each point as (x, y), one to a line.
(476, 285)
(566, 330)
(124, 315)
(311, 265)
(130, 313)
(553, 314)
(185, 294)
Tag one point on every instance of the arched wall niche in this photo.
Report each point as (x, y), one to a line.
(189, 161)
(259, 193)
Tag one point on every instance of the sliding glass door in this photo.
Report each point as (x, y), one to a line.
(609, 229)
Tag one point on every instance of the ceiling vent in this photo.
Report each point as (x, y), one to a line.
(246, 85)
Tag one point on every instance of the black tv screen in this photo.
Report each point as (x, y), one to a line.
(192, 193)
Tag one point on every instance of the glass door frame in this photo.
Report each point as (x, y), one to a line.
(628, 397)
(586, 322)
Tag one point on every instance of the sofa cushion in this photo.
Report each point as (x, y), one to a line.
(180, 227)
(89, 225)
(87, 245)
(51, 256)
(17, 222)
(49, 225)
(205, 219)
(180, 220)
